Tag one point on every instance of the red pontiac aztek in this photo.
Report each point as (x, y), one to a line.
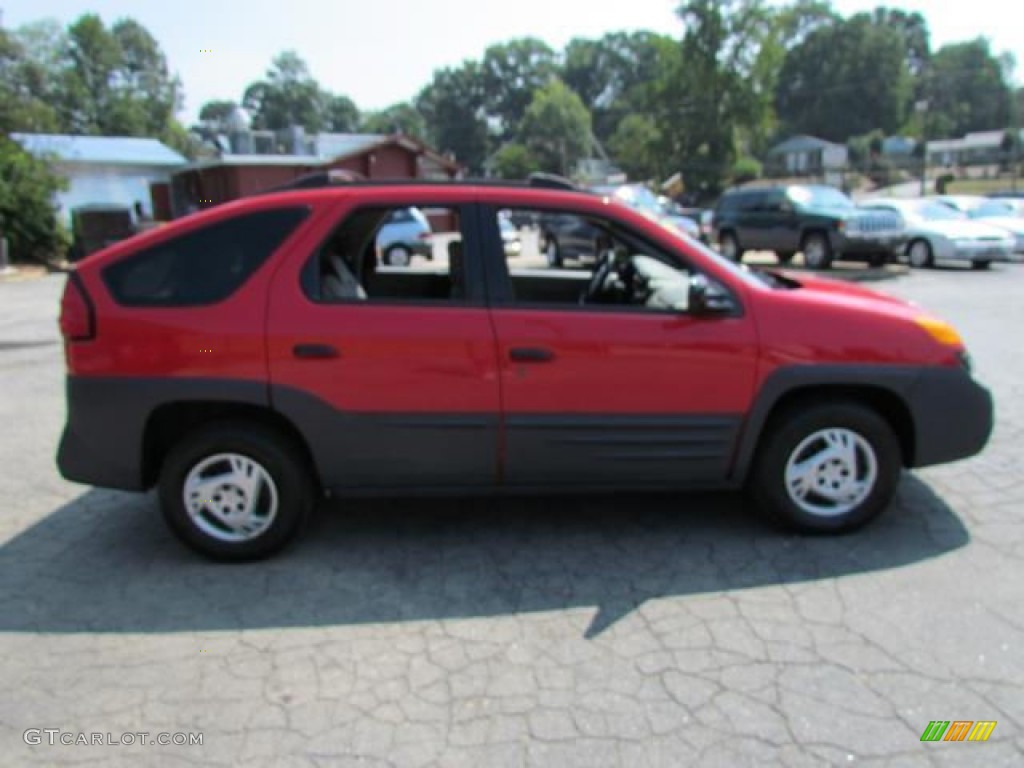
(250, 358)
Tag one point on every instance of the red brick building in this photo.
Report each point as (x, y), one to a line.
(231, 176)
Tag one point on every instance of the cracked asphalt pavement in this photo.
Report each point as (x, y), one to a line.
(610, 631)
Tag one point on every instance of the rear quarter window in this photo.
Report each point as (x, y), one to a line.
(204, 266)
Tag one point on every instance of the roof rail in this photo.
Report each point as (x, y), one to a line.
(550, 181)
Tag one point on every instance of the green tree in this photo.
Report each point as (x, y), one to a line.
(514, 161)
(288, 96)
(634, 145)
(341, 115)
(613, 75)
(398, 118)
(711, 87)
(844, 79)
(27, 90)
(510, 74)
(28, 216)
(556, 128)
(145, 95)
(966, 89)
(453, 108)
(93, 57)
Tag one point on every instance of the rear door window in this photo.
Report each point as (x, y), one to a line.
(203, 266)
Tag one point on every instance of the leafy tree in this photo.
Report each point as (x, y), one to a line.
(556, 128)
(510, 73)
(634, 145)
(453, 107)
(217, 111)
(341, 115)
(398, 118)
(966, 90)
(144, 87)
(514, 161)
(746, 169)
(28, 216)
(93, 57)
(288, 96)
(613, 75)
(27, 93)
(709, 88)
(845, 79)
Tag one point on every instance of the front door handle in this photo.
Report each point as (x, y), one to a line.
(315, 351)
(531, 355)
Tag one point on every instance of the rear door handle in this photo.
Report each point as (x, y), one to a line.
(315, 351)
(530, 355)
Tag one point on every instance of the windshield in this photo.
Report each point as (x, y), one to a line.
(988, 210)
(935, 212)
(819, 197)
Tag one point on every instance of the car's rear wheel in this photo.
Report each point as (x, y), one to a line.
(817, 251)
(398, 256)
(235, 491)
(729, 246)
(827, 468)
(920, 254)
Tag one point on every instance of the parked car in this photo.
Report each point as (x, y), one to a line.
(406, 233)
(819, 221)
(566, 237)
(937, 233)
(244, 361)
(1006, 214)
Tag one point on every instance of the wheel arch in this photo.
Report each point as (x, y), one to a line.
(790, 389)
(170, 422)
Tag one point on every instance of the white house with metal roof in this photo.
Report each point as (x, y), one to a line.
(104, 170)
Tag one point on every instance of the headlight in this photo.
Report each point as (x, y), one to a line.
(941, 331)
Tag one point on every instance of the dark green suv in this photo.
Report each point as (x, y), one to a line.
(819, 221)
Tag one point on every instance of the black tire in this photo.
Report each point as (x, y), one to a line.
(392, 256)
(877, 260)
(981, 265)
(920, 255)
(785, 257)
(729, 246)
(552, 251)
(272, 451)
(817, 251)
(767, 480)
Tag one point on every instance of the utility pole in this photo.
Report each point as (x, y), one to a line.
(922, 108)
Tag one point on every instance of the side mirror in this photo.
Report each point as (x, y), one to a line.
(707, 297)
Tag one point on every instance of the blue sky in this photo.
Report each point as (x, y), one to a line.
(379, 53)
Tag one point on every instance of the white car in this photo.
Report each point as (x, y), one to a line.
(937, 232)
(1008, 215)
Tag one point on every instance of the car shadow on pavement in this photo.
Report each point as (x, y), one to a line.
(106, 563)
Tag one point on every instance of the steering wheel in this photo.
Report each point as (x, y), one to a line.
(597, 280)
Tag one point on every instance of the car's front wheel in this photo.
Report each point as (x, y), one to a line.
(398, 256)
(552, 253)
(235, 491)
(827, 468)
(817, 251)
(920, 254)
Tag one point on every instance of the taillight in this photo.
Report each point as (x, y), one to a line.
(77, 317)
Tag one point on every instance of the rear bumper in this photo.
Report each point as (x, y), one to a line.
(104, 440)
(953, 416)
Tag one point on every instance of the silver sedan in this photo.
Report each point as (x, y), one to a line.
(938, 233)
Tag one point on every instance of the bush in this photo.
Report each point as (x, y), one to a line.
(746, 169)
(28, 215)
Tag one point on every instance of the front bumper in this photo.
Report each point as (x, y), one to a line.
(953, 416)
(852, 243)
(967, 251)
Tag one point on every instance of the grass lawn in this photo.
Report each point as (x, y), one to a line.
(982, 186)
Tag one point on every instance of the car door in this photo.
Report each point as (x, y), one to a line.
(779, 218)
(753, 221)
(389, 373)
(606, 396)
